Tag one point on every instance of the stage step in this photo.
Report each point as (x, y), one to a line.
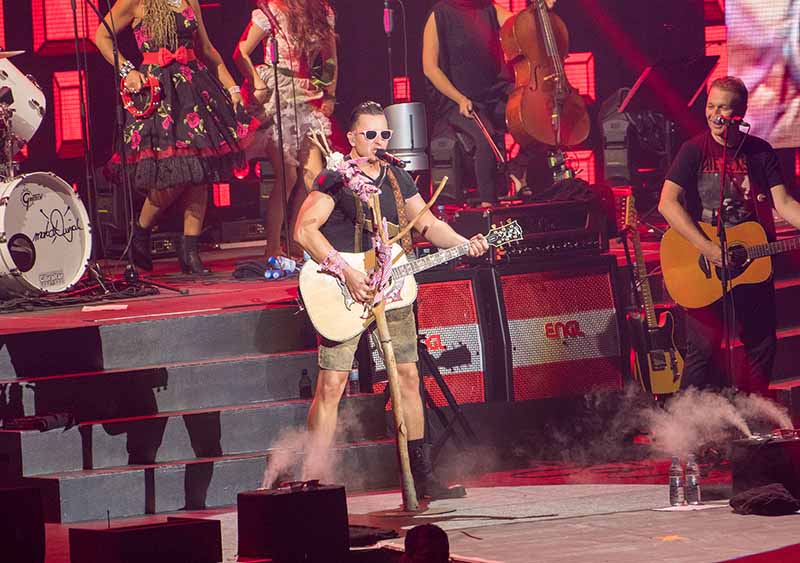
(196, 483)
(174, 387)
(140, 344)
(172, 436)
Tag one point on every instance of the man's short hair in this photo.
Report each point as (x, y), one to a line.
(426, 543)
(736, 87)
(364, 108)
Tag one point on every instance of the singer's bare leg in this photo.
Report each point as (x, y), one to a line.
(323, 414)
(275, 205)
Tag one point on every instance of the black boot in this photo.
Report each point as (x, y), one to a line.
(425, 481)
(188, 256)
(140, 244)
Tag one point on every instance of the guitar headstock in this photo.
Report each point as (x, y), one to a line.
(504, 234)
(626, 208)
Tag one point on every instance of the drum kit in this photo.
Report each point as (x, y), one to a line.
(45, 235)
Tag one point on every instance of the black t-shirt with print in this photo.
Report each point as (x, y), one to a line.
(339, 229)
(752, 169)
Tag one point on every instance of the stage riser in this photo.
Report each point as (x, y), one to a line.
(131, 492)
(193, 386)
(137, 345)
(177, 437)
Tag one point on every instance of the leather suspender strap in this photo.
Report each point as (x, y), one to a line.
(358, 235)
(402, 220)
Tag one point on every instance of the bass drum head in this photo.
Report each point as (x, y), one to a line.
(45, 236)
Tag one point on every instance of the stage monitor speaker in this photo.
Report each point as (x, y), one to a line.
(22, 538)
(455, 314)
(755, 463)
(308, 524)
(189, 540)
(562, 327)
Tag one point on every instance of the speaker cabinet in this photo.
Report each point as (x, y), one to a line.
(22, 528)
(562, 328)
(454, 313)
(294, 525)
(190, 540)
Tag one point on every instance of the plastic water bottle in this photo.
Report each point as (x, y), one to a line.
(353, 385)
(692, 481)
(283, 264)
(676, 493)
(304, 385)
(272, 274)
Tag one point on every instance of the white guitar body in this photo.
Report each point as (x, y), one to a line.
(333, 312)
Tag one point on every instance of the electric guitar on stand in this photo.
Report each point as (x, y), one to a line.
(658, 364)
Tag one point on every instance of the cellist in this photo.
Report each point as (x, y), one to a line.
(463, 61)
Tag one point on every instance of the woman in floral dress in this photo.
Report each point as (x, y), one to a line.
(193, 136)
(306, 39)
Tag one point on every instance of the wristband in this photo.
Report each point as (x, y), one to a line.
(334, 264)
(234, 90)
(126, 69)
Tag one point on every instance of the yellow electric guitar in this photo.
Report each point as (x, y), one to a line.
(338, 317)
(658, 364)
(692, 281)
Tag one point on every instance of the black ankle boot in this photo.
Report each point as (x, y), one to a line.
(425, 481)
(188, 256)
(140, 244)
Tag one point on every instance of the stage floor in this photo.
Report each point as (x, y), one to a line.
(612, 512)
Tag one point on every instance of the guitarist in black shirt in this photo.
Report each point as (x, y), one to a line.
(690, 194)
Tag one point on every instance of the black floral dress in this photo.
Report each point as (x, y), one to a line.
(193, 137)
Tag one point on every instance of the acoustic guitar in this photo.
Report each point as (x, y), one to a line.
(692, 281)
(338, 317)
(658, 365)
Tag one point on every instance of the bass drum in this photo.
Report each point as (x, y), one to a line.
(45, 236)
(29, 104)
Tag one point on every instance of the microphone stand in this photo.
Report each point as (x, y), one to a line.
(81, 66)
(388, 27)
(724, 278)
(131, 273)
(274, 57)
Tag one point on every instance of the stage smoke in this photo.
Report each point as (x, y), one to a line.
(692, 420)
(297, 456)
(757, 407)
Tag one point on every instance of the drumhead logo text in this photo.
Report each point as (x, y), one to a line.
(56, 226)
(28, 198)
(51, 279)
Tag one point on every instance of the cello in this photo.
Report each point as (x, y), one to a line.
(543, 107)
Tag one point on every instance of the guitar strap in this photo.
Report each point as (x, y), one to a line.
(762, 200)
(363, 224)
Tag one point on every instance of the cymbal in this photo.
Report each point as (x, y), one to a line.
(9, 54)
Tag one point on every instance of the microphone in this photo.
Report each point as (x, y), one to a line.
(388, 18)
(728, 121)
(390, 158)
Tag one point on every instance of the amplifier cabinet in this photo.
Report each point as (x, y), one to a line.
(561, 324)
(550, 230)
(454, 319)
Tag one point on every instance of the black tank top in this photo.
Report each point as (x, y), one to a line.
(470, 53)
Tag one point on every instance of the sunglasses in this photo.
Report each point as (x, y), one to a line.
(371, 134)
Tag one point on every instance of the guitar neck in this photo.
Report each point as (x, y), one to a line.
(770, 248)
(642, 279)
(430, 261)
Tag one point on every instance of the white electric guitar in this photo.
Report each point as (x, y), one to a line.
(338, 317)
